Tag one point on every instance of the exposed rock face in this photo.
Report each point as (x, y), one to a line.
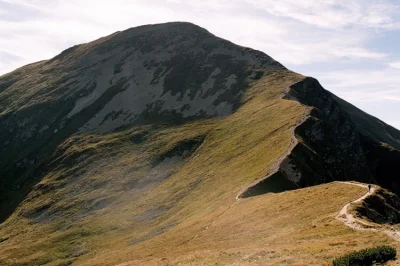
(167, 73)
(336, 143)
(177, 71)
(170, 72)
(383, 162)
(330, 146)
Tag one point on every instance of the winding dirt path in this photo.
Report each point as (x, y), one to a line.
(358, 224)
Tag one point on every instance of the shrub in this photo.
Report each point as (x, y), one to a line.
(366, 256)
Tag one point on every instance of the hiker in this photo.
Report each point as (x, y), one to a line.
(369, 187)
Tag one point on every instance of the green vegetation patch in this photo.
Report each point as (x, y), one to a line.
(367, 256)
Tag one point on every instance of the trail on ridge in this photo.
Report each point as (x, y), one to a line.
(358, 224)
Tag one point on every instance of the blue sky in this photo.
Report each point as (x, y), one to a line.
(351, 47)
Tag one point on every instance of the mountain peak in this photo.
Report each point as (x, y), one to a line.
(150, 138)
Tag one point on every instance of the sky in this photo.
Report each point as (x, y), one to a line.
(350, 46)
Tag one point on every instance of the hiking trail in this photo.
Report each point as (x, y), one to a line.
(359, 224)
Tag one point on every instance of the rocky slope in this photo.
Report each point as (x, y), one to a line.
(157, 129)
(334, 143)
(168, 73)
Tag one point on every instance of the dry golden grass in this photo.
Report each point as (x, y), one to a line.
(290, 228)
(166, 222)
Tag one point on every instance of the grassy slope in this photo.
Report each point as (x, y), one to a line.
(290, 228)
(381, 208)
(161, 221)
(237, 150)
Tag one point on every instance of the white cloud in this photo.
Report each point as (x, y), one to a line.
(394, 123)
(357, 96)
(297, 33)
(395, 64)
(377, 92)
(293, 32)
(378, 81)
(333, 13)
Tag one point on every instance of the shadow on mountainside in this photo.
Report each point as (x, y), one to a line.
(167, 74)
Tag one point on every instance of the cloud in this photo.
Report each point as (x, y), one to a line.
(395, 64)
(299, 34)
(333, 13)
(377, 81)
(357, 96)
(394, 123)
(377, 92)
(293, 32)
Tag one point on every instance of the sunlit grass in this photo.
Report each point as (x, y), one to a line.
(99, 198)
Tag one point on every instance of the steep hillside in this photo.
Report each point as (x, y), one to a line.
(382, 207)
(135, 144)
(336, 141)
(167, 74)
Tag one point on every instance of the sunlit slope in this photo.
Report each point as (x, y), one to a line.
(130, 186)
(290, 228)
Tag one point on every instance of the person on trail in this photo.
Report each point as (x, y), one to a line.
(369, 187)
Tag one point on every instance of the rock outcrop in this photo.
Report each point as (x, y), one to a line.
(331, 147)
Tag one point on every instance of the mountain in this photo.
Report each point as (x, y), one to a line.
(166, 144)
